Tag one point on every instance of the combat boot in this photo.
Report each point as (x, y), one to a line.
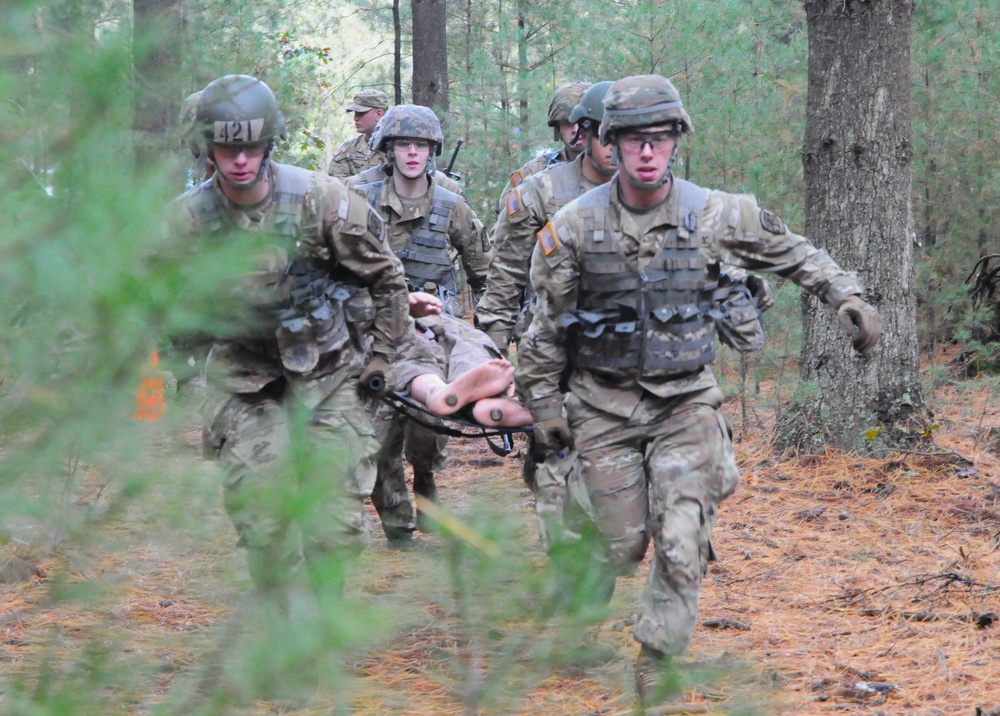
(423, 485)
(656, 682)
(398, 538)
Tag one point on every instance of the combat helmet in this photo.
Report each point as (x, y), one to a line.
(239, 109)
(188, 125)
(590, 109)
(562, 103)
(376, 138)
(409, 120)
(642, 101)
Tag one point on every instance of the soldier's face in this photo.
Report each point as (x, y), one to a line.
(239, 163)
(410, 156)
(645, 153)
(567, 132)
(601, 154)
(365, 122)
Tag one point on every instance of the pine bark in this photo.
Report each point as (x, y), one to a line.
(430, 55)
(857, 160)
(156, 66)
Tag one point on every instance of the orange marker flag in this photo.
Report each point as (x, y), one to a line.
(150, 403)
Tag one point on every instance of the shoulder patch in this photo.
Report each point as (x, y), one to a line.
(513, 201)
(547, 239)
(771, 223)
(516, 178)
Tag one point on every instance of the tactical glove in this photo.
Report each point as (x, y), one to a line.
(378, 377)
(861, 321)
(760, 289)
(553, 434)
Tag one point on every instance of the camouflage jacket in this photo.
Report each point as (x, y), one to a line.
(532, 167)
(337, 233)
(527, 209)
(732, 229)
(465, 232)
(353, 157)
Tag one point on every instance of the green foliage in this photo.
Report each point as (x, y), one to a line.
(88, 289)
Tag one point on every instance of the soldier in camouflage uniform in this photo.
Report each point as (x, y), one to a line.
(562, 103)
(355, 155)
(427, 227)
(625, 278)
(327, 294)
(528, 208)
(378, 172)
(505, 307)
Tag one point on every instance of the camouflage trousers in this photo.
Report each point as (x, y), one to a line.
(658, 474)
(446, 347)
(552, 478)
(299, 461)
(400, 437)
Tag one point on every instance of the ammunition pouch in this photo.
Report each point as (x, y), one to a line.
(737, 317)
(320, 316)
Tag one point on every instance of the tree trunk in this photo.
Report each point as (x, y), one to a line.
(397, 54)
(523, 117)
(857, 160)
(430, 56)
(156, 64)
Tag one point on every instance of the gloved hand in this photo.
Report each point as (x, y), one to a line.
(861, 321)
(501, 339)
(378, 377)
(553, 434)
(760, 288)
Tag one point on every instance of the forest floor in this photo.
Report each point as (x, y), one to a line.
(843, 585)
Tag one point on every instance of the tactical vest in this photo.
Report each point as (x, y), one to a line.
(425, 256)
(566, 182)
(314, 308)
(653, 323)
(566, 186)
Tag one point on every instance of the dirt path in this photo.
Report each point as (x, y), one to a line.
(843, 585)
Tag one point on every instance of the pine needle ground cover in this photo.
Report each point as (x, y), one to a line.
(843, 585)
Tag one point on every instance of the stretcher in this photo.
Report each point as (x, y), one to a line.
(457, 425)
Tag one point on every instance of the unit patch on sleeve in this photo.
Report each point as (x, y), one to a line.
(547, 239)
(516, 178)
(513, 202)
(771, 222)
